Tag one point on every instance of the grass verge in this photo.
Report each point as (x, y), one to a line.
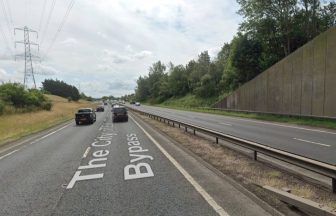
(15, 126)
(244, 170)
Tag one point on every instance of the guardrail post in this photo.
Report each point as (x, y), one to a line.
(179, 125)
(333, 185)
(186, 129)
(194, 131)
(216, 140)
(173, 124)
(255, 155)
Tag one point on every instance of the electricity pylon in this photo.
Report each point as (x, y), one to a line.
(28, 57)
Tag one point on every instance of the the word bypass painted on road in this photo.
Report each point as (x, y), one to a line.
(136, 170)
(99, 155)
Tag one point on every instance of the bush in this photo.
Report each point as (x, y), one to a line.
(2, 107)
(47, 105)
(15, 96)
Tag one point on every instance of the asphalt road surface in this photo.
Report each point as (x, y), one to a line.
(314, 143)
(110, 168)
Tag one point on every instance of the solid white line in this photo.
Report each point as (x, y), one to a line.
(186, 175)
(2, 157)
(223, 123)
(49, 134)
(86, 152)
(39, 139)
(321, 144)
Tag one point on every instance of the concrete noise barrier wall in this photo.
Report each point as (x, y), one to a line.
(303, 83)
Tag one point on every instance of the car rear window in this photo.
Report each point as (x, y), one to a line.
(84, 110)
(119, 109)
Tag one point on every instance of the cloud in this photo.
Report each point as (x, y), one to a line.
(69, 41)
(45, 70)
(104, 40)
(142, 54)
(102, 35)
(119, 58)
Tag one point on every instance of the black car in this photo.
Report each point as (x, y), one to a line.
(119, 113)
(100, 109)
(87, 115)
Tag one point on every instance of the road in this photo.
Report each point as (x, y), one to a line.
(111, 169)
(314, 143)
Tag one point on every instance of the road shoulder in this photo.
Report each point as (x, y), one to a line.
(222, 190)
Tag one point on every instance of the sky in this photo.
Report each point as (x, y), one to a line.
(105, 45)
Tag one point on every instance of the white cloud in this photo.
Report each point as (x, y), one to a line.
(142, 54)
(102, 35)
(104, 40)
(69, 41)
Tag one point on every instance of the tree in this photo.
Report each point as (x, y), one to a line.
(156, 72)
(60, 88)
(243, 62)
(178, 81)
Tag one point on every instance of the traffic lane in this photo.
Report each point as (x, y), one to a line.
(318, 146)
(32, 178)
(116, 188)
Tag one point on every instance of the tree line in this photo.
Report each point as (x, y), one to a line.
(62, 89)
(271, 30)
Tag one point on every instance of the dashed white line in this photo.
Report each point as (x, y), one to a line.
(186, 175)
(86, 152)
(316, 143)
(286, 126)
(266, 123)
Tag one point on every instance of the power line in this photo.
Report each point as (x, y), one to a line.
(3, 6)
(5, 39)
(42, 15)
(10, 13)
(71, 4)
(48, 21)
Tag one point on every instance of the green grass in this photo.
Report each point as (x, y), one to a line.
(190, 103)
(17, 125)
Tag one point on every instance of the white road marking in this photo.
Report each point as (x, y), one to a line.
(186, 175)
(223, 123)
(86, 152)
(316, 143)
(288, 126)
(2, 157)
(268, 123)
(39, 139)
(49, 134)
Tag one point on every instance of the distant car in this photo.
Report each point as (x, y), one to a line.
(137, 104)
(87, 115)
(119, 113)
(105, 104)
(132, 102)
(100, 109)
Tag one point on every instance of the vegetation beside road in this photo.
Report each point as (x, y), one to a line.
(195, 104)
(14, 98)
(269, 31)
(17, 125)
